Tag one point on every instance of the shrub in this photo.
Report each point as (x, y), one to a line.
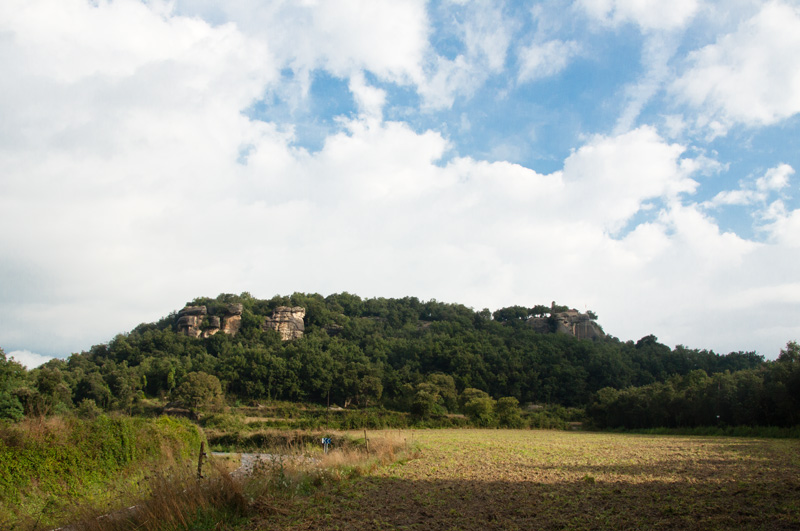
(199, 389)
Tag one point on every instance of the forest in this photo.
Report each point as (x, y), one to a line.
(427, 358)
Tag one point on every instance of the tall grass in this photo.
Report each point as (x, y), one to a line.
(223, 500)
(53, 468)
(177, 501)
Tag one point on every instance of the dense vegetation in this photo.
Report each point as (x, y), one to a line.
(48, 464)
(765, 396)
(426, 358)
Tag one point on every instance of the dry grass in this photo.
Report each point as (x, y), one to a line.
(175, 501)
(505, 479)
(178, 501)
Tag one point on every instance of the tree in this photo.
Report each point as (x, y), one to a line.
(478, 406)
(199, 389)
(12, 375)
(540, 310)
(508, 412)
(370, 388)
(92, 386)
(52, 388)
(424, 404)
(511, 313)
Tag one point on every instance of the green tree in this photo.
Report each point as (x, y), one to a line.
(92, 386)
(424, 404)
(508, 413)
(12, 376)
(540, 310)
(478, 406)
(199, 389)
(511, 313)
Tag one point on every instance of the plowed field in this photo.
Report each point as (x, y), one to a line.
(495, 479)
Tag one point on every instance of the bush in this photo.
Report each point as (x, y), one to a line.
(508, 412)
(47, 464)
(10, 408)
(87, 409)
(199, 389)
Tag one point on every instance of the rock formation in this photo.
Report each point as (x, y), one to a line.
(287, 321)
(194, 321)
(190, 320)
(232, 319)
(570, 322)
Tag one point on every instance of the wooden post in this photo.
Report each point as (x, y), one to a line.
(366, 441)
(200, 460)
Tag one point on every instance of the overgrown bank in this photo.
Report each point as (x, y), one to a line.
(48, 464)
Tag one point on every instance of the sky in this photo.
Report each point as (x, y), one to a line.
(637, 158)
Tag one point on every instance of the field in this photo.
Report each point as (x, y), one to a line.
(498, 479)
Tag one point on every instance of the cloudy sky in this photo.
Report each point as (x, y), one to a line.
(634, 157)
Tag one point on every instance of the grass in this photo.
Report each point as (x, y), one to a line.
(225, 500)
(53, 470)
(477, 479)
(490, 479)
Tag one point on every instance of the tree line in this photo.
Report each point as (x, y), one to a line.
(768, 395)
(424, 357)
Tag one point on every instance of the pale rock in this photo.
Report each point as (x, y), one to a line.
(287, 321)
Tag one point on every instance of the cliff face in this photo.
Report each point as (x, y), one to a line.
(232, 319)
(287, 321)
(191, 321)
(570, 322)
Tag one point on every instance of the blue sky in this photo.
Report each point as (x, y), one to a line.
(634, 157)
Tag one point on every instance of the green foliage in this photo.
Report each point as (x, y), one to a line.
(12, 376)
(199, 389)
(511, 313)
(407, 354)
(764, 396)
(87, 409)
(478, 406)
(46, 464)
(10, 407)
(225, 422)
(508, 413)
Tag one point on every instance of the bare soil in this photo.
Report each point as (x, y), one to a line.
(504, 479)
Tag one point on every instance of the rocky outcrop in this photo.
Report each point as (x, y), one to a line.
(190, 320)
(287, 321)
(194, 321)
(232, 319)
(570, 322)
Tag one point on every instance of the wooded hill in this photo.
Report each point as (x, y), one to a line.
(411, 355)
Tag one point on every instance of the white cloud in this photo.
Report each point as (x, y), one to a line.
(485, 33)
(30, 360)
(370, 100)
(782, 224)
(754, 192)
(142, 185)
(384, 37)
(613, 176)
(647, 14)
(775, 179)
(545, 59)
(750, 76)
(657, 52)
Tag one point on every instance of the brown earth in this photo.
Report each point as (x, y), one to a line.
(490, 479)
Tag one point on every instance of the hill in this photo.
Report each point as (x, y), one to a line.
(350, 351)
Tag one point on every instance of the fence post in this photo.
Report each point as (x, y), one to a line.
(200, 460)
(366, 441)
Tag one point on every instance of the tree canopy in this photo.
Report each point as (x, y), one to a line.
(407, 354)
